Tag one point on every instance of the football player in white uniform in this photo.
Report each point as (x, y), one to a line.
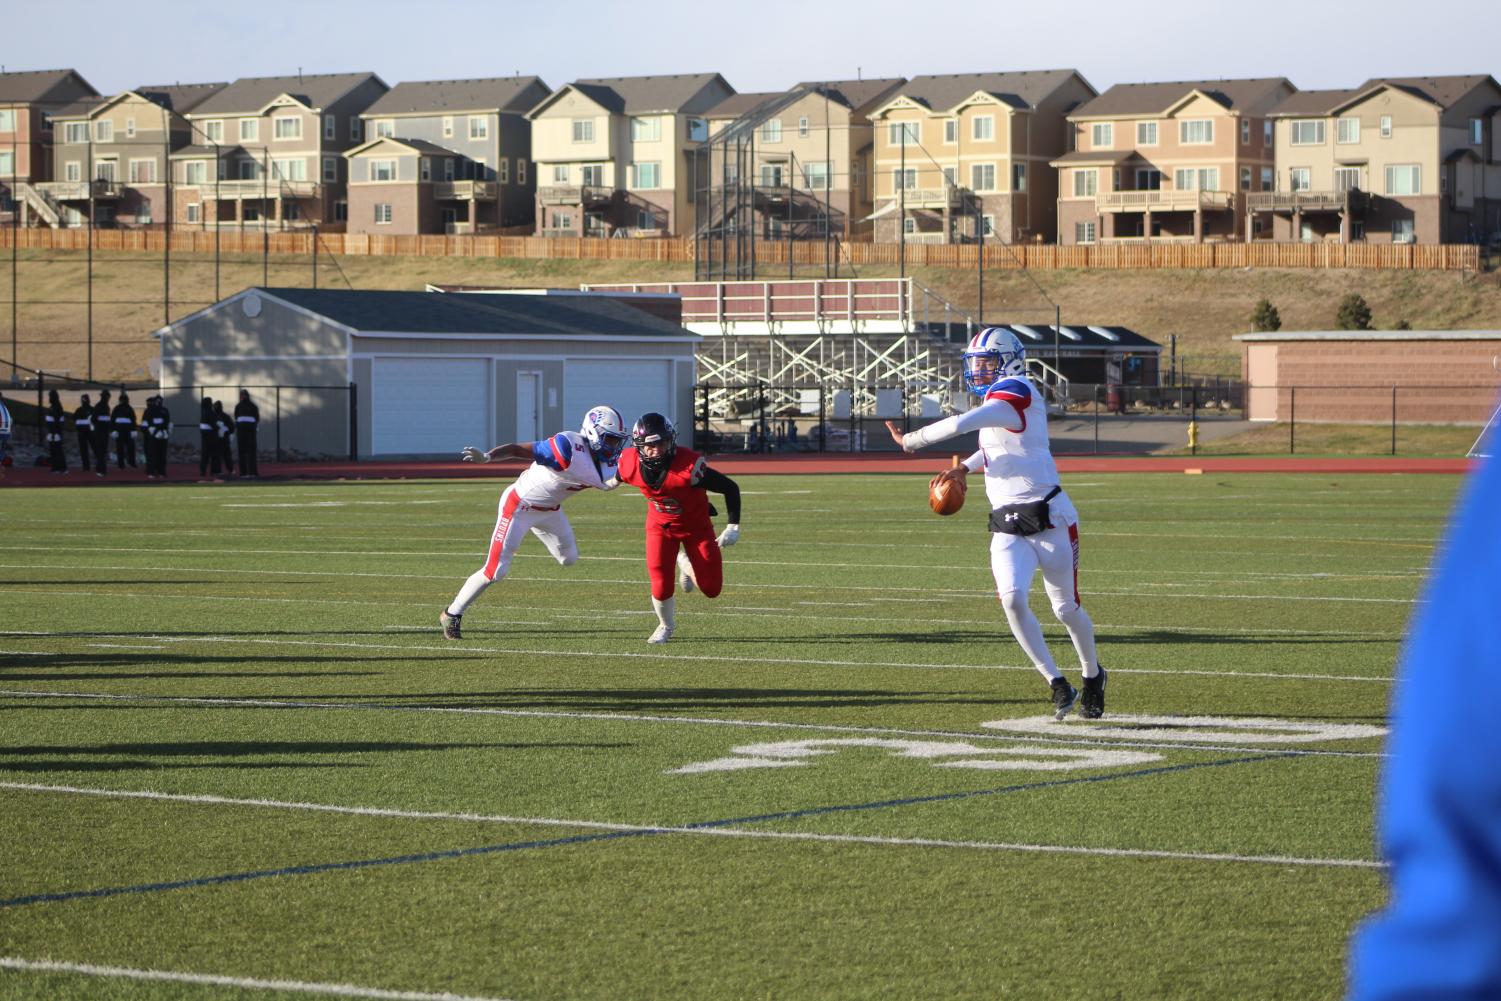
(567, 462)
(1033, 521)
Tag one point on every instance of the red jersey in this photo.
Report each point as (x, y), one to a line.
(678, 502)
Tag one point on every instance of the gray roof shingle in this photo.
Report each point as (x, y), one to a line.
(512, 93)
(1155, 98)
(1027, 88)
(640, 94)
(42, 86)
(249, 95)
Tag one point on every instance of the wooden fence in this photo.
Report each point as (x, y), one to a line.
(1000, 257)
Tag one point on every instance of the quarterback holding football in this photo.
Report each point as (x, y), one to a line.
(1034, 524)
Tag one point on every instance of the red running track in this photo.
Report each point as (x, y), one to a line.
(923, 465)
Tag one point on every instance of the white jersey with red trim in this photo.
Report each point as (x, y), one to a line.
(563, 464)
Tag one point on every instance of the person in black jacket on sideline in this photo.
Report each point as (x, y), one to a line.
(208, 439)
(224, 425)
(53, 421)
(104, 429)
(83, 423)
(247, 423)
(124, 419)
(156, 426)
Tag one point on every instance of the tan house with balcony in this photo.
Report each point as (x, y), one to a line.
(1395, 160)
(963, 155)
(28, 100)
(111, 156)
(446, 156)
(267, 152)
(797, 163)
(1167, 162)
(615, 156)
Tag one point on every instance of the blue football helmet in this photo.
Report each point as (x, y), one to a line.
(605, 432)
(993, 354)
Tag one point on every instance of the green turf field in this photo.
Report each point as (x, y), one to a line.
(236, 747)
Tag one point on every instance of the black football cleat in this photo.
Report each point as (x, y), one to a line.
(450, 624)
(1064, 697)
(1094, 695)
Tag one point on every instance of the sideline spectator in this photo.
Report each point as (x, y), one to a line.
(54, 420)
(208, 440)
(123, 417)
(4, 437)
(156, 428)
(83, 423)
(226, 431)
(247, 424)
(103, 429)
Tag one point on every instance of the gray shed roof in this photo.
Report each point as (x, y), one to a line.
(1155, 98)
(1074, 337)
(511, 93)
(1026, 89)
(249, 95)
(457, 313)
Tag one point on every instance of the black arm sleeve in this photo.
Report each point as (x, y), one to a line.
(713, 479)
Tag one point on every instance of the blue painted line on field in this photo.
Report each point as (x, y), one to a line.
(578, 839)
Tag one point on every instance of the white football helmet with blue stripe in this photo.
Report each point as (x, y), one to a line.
(605, 432)
(993, 354)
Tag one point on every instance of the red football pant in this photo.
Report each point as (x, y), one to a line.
(662, 562)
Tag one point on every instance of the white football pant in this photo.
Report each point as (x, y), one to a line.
(512, 523)
(1013, 560)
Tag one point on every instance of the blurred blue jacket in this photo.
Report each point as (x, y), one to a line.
(1440, 807)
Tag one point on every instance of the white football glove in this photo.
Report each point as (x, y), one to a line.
(472, 454)
(729, 536)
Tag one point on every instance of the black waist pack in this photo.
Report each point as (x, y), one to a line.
(1023, 519)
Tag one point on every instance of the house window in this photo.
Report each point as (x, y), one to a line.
(143, 214)
(904, 180)
(330, 128)
(771, 130)
(1404, 179)
(1386, 126)
(591, 175)
(479, 127)
(1299, 179)
(330, 169)
(562, 220)
(503, 170)
(1477, 132)
(249, 170)
(1307, 132)
(289, 169)
(1196, 132)
(583, 130)
(802, 127)
(1183, 179)
(448, 168)
(482, 170)
(130, 133)
(286, 128)
(909, 226)
(646, 129)
(984, 127)
(648, 175)
(989, 225)
(1245, 132)
(213, 132)
(194, 211)
(447, 126)
(1146, 133)
(950, 130)
(104, 170)
(250, 130)
(1018, 177)
(1346, 178)
(385, 128)
(1086, 183)
(901, 133)
(382, 213)
(950, 176)
(982, 176)
(698, 130)
(76, 132)
(771, 175)
(1245, 178)
(425, 169)
(104, 131)
(560, 173)
(1347, 130)
(1402, 231)
(1084, 232)
(816, 175)
(646, 219)
(291, 210)
(1101, 135)
(354, 129)
(73, 171)
(1266, 133)
(7, 168)
(1268, 178)
(7, 120)
(450, 216)
(521, 170)
(195, 172)
(143, 172)
(341, 210)
(382, 170)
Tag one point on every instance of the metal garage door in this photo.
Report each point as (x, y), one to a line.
(429, 406)
(631, 386)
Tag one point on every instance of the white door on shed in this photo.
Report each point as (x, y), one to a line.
(529, 406)
(427, 406)
(632, 386)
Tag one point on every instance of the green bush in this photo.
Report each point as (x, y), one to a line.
(1353, 313)
(1265, 317)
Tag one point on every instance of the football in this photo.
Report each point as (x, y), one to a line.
(946, 496)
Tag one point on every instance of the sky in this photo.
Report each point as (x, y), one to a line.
(768, 46)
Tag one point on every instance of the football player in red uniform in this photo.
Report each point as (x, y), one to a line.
(676, 482)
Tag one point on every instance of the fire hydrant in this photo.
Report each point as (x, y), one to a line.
(1193, 434)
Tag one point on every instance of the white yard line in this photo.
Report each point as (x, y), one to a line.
(731, 832)
(242, 983)
(1080, 735)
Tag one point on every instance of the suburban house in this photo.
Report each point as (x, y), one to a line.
(267, 152)
(795, 163)
(446, 156)
(614, 157)
(1168, 162)
(1395, 160)
(27, 103)
(963, 155)
(110, 156)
